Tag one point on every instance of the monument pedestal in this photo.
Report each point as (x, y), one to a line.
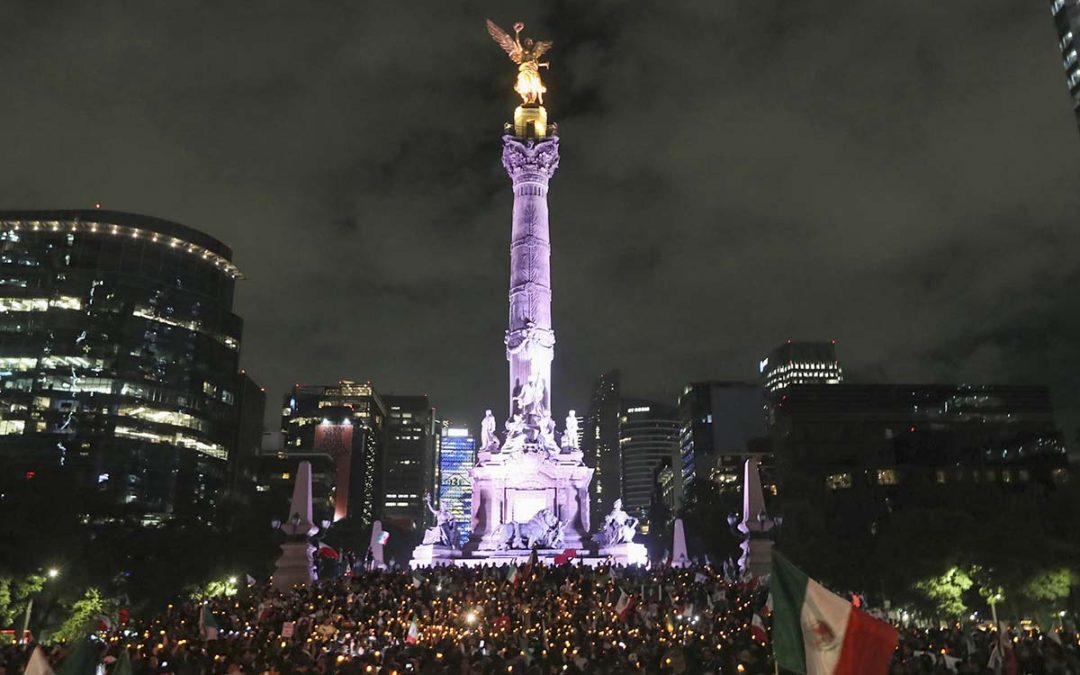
(626, 554)
(295, 566)
(515, 487)
(426, 555)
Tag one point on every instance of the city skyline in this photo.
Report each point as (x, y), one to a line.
(912, 213)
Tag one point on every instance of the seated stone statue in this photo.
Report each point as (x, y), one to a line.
(619, 527)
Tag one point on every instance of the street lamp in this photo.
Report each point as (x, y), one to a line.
(53, 573)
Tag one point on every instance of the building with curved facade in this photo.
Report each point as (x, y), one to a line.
(648, 437)
(119, 358)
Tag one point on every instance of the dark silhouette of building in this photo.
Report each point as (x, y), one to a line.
(118, 361)
(408, 461)
(251, 408)
(600, 444)
(859, 445)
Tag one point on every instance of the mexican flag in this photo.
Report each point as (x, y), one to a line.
(624, 604)
(414, 633)
(817, 632)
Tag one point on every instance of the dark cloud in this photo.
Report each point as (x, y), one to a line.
(897, 176)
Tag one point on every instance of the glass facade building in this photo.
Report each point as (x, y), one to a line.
(1066, 15)
(648, 438)
(118, 360)
(457, 456)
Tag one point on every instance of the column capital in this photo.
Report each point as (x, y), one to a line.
(530, 159)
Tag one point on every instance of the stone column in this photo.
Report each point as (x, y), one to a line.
(530, 340)
(756, 525)
(295, 565)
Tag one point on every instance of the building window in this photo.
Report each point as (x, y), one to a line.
(1024, 475)
(1006, 476)
(8, 427)
(940, 476)
(838, 481)
(1060, 475)
(886, 477)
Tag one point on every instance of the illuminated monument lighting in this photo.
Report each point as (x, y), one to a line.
(530, 487)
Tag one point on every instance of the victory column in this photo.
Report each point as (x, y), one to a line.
(530, 488)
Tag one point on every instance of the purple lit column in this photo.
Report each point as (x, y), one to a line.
(530, 340)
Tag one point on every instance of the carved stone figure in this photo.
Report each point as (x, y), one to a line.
(515, 434)
(542, 530)
(489, 442)
(619, 527)
(570, 435)
(526, 53)
(506, 537)
(445, 530)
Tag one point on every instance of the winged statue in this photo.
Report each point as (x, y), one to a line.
(526, 53)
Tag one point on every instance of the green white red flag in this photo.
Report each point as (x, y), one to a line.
(817, 632)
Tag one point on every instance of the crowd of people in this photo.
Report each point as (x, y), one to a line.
(534, 620)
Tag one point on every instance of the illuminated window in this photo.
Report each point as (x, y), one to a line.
(838, 481)
(1060, 475)
(8, 427)
(17, 364)
(941, 478)
(886, 477)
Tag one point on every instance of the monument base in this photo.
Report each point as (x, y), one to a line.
(626, 554)
(429, 555)
(426, 555)
(294, 567)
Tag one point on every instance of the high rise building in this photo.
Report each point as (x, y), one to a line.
(346, 423)
(648, 437)
(408, 460)
(600, 443)
(251, 410)
(1067, 21)
(718, 422)
(118, 360)
(457, 456)
(801, 363)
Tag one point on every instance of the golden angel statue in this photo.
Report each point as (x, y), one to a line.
(527, 55)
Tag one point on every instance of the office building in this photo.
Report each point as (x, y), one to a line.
(251, 411)
(648, 438)
(118, 361)
(720, 423)
(457, 456)
(1066, 15)
(864, 443)
(346, 423)
(800, 363)
(408, 460)
(600, 444)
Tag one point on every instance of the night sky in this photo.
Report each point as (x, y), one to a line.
(899, 176)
